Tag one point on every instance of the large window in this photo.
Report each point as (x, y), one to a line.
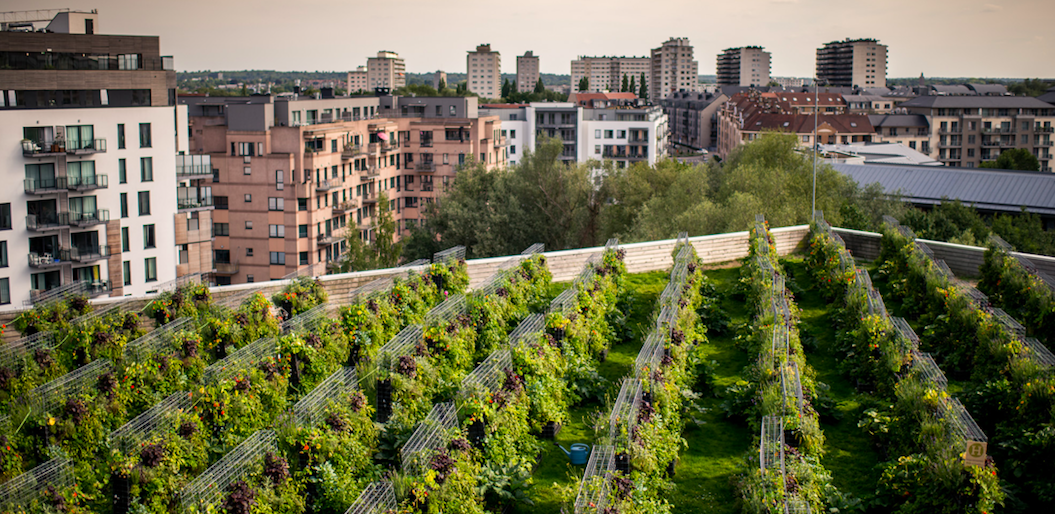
(5, 216)
(276, 204)
(221, 229)
(124, 205)
(276, 231)
(144, 203)
(146, 169)
(81, 173)
(302, 231)
(5, 291)
(144, 135)
(125, 244)
(149, 240)
(40, 176)
(121, 136)
(151, 266)
(122, 171)
(278, 258)
(126, 270)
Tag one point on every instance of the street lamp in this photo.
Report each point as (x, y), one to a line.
(816, 113)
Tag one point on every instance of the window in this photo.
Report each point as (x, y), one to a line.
(216, 174)
(246, 170)
(220, 202)
(5, 291)
(280, 180)
(5, 216)
(248, 198)
(3, 254)
(124, 205)
(192, 222)
(608, 134)
(151, 266)
(184, 254)
(597, 134)
(302, 204)
(148, 237)
(302, 231)
(249, 279)
(248, 252)
(304, 255)
(126, 272)
(144, 135)
(125, 244)
(146, 169)
(278, 231)
(513, 149)
(249, 225)
(122, 171)
(276, 204)
(221, 229)
(278, 258)
(121, 136)
(144, 203)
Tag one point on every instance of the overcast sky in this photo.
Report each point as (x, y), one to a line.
(950, 38)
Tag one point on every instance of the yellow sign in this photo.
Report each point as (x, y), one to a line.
(976, 452)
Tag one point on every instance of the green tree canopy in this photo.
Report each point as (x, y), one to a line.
(643, 94)
(540, 87)
(1014, 159)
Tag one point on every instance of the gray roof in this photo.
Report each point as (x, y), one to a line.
(992, 102)
(952, 89)
(1048, 97)
(898, 120)
(989, 89)
(997, 190)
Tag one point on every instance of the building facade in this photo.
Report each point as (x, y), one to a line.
(673, 69)
(483, 70)
(527, 72)
(386, 70)
(439, 79)
(292, 178)
(744, 66)
(357, 80)
(606, 73)
(693, 119)
(852, 62)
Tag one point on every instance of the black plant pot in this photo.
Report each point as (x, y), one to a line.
(384, 400)
(120, 489)
(477, 430)
(671, 468)
(622, 463)
(438, 280)
(558, 334)
(550, 430)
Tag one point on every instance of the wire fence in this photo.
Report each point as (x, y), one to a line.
(241, 360)
(50, 395)
(17, 493)
(209, 487)
(156, 419)
(309, 410)
(376, 498)
(594, 489)
(432, 434)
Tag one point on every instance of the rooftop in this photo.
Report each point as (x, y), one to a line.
(976, 101)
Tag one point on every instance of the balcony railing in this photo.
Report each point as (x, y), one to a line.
(88, 146)
(369, 173)
(990, 143)
(99, 288)
(226, 268)
(188, 198)
(998, 130)
(351, 151)
(500, 142)
(87, 219)
(425, 167)
(1044, 129)
(327, 238)
(1044, 143)
(97, 181)
(1008, 143)
(345, 206)
(953, 130)
(88, 253)
(194, 166)
(369, 197)
(48, 259)
(47, 221)
(385, 146)
(425, 143)
(328, 184)
(45, 186)
(41, 148)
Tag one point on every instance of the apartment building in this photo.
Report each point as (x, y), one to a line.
(911, 130)
(527, 72)
(744, 66)
(90, 122)
(439, 79)
(292, 177)
(971, 129)
(673, 69)
(693, 119)
(852, 62)
(622, 133)
(606, 73)
(483, 70)
(386, 70)
(358, 80)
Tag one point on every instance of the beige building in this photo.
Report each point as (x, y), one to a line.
(483, 70)
(911, 130)
(673, 69)
(606, 73)
(386, 70)
(439, 79)
(357, 80)
(852, 62)
(527, 72)
(744, 66)
(291, 178)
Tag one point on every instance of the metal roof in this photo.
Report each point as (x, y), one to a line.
(998, 190)
(991, 102)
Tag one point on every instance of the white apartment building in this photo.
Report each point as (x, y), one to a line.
(673, 69)
(357, 80)
(527, 72)
(386, 70)
(483, 70)
(745, 66)
(852, 63)
(606, 73)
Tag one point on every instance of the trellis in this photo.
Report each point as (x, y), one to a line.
(435, 432)
(761, 242)
(875, 303)
(308, 320)
(624, 412)
(59, 293)
(845, 260)
(49, 396)
(115, 308)
(924, 364)
(791, 383)
(416, 263)
(923, 248)
(611, 245)
(667, 318)
(976, 297)
(488, 376)
(497, 279)
(454, 253)
(157, 341)
(531, 326)
(650, 357)
(818, 218)
(310, 409)
(242, 359)
(594, 488)
(906, 332)
(588, 271)
(762, 260)
(313, 270)
(943, 268)
(780, 341)
(907, 232)
(565, 302)
(962, 422)
(443, 313)
(890, 220)
(235, 300)
(796, 506)
(535, 248)
(372, 288)
(1025, 263)
(20, 491)
(671, 293)
(401, 344)
(211, 485)
(178, 282)
(156, 419)
(1038, 352)
(12, 352)
(1008, 322)
(838, 239)
(376, 498)
(771, 444)
(864, 281)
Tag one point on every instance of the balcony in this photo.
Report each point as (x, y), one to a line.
(88, 146)
(369, 198)
(998, 130)
(1043, 130)
(1007, 143)
(226, 268)
(88, 253)
(990, 143)
(87, 219)
(345, 206)
(425, 143)
(327, 238)
(194, 198)
(500, 142)
(351, 151)
(328, 185)
(1043, 143)
(87, 183)
(193, 167)
(383, 147)
(40, 148)
(48, 260)
(99, 288)
(953, 130)
(45, 186)
(371, 172)
(48, 221)
(425, 167)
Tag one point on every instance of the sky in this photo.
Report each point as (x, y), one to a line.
(940, 38)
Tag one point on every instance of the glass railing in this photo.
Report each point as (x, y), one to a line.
(97, 181)
(193, 165)
(44, 185)
(86, 146)
(194, 197)
(41, 146)
(83, 219)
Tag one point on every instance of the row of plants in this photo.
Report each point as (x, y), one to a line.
(917, 426)
(1017, 287)
(786, 473)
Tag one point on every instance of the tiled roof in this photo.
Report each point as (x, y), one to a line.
(803, 123)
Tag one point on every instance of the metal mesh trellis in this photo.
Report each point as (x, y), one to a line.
(11, 352)
(923, 363)
(791, 381)
(308, 320)
(650, 357)
(376, 498)
(1038, 352)
(432, 433)
(401, 344)
(242, 359)
(999, 243)
(59, 293)
(1008, 322)
(976, 297)
(838, 239)
(905, 331)
(488, 376)
(762, 243)
(310, 409)
(907, 232)
(446, 311)
(531, 326)
(178, 282)
(667, 318)
(763, 263)
(962, 422)
(796, 505)
(369, 290)
(210, 486)
(589, 269)
(497, 279)
(234, 301)
(1047, 279)
(116, 308)
(155, 420)
(943, 268)
(890, 220)
(778, 306)
(533, 249)
(771, 444)
(780, 337)
(416, 263)
(864, 281)
(313, 270)
(624, 412)
(818, 215)
(158, 340)
(17, 493)
(593, 490)
(875, 303)
(760, 218)
(923, 248)
(611, 245)
(454, 253)
(565, 301)
(846, 261)
(50, 395)
(671, 294)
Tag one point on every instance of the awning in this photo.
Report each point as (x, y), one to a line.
(382, 136)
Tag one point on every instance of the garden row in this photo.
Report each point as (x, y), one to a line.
(1016, 285)
(935, 452)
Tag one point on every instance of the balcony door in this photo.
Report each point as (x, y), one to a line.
(44, 210)
(81, 173)
(80, 137)
(85, 242)
(40, 176)
(44, 245)
(87, 273)
(45, 281)
(82, 207)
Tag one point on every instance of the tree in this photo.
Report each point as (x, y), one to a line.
(1014, 159)
(382, 252)
(584, 84)
(643, 94)
(442, 84)
(626, 84)
(505, 88)
(773, 83)
(540, 87)
(633, 87)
